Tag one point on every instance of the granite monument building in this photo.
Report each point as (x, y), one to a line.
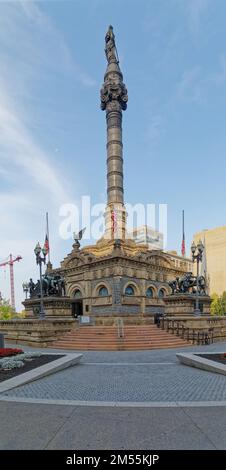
(116, 276)
(115, 279)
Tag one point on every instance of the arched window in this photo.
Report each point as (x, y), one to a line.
(129, 290)
(150, 292)
(161, 293)
(77, 294)
(103, 292)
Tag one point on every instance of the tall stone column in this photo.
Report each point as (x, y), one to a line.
(113, 100)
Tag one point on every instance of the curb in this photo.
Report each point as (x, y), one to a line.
(67, 360)
(194, 360)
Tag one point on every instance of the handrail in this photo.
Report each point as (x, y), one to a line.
(120, 326)
(200, 336)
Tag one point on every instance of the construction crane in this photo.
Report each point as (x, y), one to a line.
(10, 262)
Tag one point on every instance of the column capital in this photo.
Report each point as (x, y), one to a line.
(113, 94)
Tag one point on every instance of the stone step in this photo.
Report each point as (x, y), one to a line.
(115, 334)
(120, 340)
(119, 347)
(158, 345)
(125, 338)
(105, 338)
(77, 347)
(129, 337)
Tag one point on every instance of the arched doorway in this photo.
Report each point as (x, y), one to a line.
(77, 304)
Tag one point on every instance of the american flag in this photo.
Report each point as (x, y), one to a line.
(114, 221)
(183, 247)
(46, 244)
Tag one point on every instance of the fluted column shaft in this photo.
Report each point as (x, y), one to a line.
(113, 100)
(114, 157)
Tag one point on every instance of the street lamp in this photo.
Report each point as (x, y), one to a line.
(25, 286)
(39, 260)
(197, 251)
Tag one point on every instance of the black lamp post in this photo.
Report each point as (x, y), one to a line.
(25, 286)
(197, 251)
(39, 260)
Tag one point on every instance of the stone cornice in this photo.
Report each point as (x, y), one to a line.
(121, 260)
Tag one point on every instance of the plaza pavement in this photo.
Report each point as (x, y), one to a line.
(119, 400)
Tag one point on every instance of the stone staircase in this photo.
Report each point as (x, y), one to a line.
(105, 338)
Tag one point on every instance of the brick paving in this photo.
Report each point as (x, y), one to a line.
(140, 376)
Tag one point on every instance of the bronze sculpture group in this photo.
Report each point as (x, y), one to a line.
(52, 285)
(188, 284)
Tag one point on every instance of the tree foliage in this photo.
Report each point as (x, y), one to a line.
(218, 304)
(6, 311)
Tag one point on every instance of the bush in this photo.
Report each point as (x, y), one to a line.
(10, 363)
(6, 311)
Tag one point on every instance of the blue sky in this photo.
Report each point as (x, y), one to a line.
(52, 131)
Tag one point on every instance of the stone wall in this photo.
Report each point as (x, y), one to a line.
(33, 332)
(120, 310)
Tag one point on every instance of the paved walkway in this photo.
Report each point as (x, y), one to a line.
(69, 427)
(139, 400)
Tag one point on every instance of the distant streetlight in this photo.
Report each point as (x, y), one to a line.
(39, 260)
(25, 286)
(197, 252)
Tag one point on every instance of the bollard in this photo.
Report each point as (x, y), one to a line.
(2, 342)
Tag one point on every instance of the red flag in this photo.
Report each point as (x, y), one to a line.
(183, 236)
(46, 244)
(114, 221)
(183, 247)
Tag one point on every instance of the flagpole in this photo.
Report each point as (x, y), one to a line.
(183, 236)
(183, 223)
(183, 232)
(47, 231)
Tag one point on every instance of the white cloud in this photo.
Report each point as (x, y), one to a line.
(56, 48)
(189, 88)
(155, 129)
(30, 181)
(17, 147)
(219, 77)
(196, 11)
(197, 85)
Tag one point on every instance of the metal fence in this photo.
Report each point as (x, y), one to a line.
(194, 336)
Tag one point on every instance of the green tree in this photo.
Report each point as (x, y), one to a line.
(6, 311)
(223, 301)
(216, 307)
